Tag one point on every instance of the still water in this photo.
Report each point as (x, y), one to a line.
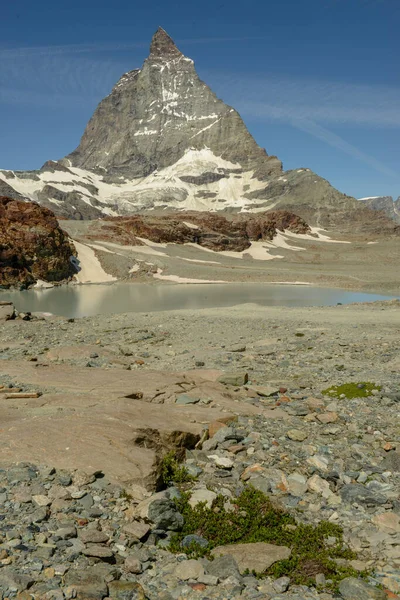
(86, 300)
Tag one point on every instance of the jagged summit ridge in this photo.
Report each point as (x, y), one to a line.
(163, 46)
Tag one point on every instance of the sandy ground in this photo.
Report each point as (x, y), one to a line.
(327, 261)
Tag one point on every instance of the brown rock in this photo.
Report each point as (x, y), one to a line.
(133, 565)
(214, 427)
(315, 404)
(137, 530)
(329, 417)
(98, 551)
(388, 522)
(236, 448)
(32, 245)
(119, 590)
(249, 471)
(93, 536)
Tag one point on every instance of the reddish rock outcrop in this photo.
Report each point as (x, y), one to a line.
(210, 230)
(32, 245)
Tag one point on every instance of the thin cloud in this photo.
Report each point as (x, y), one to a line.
(332, 102)
(339, 143)
(68, 49)
(70, 77)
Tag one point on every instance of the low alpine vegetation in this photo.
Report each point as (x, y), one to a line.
(252, 517)
(362, 389)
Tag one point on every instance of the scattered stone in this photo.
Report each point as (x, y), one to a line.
(133, 565)
(126, 590)
(202, 495)
(164, 515)
(93, 536)
(189, 540)
(189, 569)
(356, 589)
(236, 379)
(137, 530)
(98, 551)
(297, 435)
(356, 492)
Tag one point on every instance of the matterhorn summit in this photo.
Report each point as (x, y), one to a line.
(156, 114)
(163, 140)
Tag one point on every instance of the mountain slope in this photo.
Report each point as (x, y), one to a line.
(386, 204)
(162, 140)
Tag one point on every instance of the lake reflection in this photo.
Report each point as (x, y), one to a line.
(87, 300)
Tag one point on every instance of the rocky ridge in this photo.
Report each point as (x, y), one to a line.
(173, 145)
(208, 230)
(386, 204)
(32, 245)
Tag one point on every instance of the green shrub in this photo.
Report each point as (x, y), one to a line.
(256, 519)
(172, 471)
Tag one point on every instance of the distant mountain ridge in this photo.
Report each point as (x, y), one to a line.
(386, 204)
(163, 140)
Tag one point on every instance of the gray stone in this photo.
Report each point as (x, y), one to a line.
(66, 533)
(356, 492)
(164, 515)
(357, 589)
(11, 579)
(256, 557)
(188, 540)
(391, 462)
(281, 584)
(224, 567)
(186, 399)
(189, 569)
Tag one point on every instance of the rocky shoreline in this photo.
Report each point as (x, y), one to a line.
(319, 454)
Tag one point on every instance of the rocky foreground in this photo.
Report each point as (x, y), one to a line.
(298, 404)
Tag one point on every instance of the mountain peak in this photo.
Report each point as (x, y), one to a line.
(162, 45)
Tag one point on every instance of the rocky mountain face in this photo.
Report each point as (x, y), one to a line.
(32, 245)
(386, 204)
(212, 231)
(154, 114)
(163, 140)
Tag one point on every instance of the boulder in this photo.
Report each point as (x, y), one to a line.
(7, 311)
(256, 557)
(32, 245)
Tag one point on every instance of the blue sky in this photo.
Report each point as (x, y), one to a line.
(316, 81)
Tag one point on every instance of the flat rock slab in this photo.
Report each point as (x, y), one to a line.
(256, 557)
(84, 419)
